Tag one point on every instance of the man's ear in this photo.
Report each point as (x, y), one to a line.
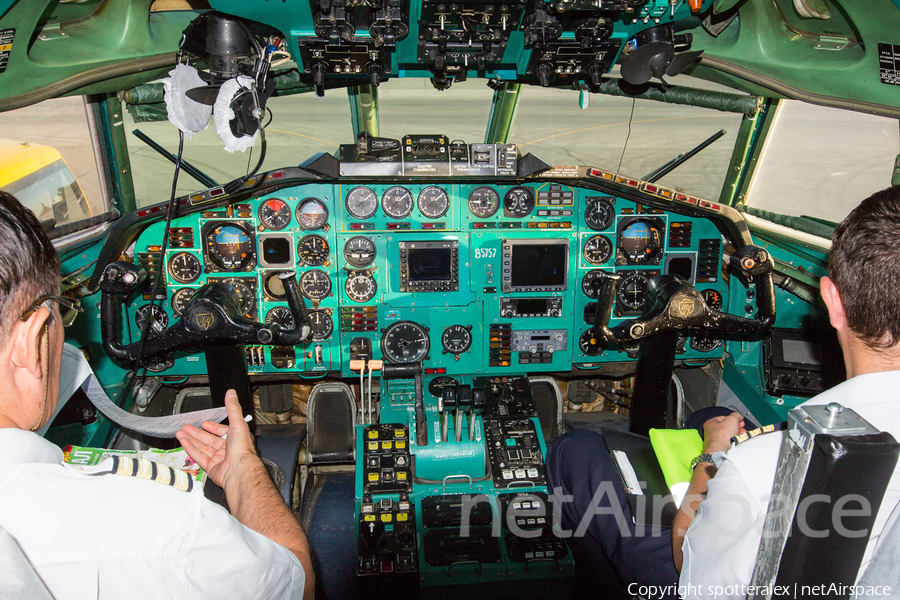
(833, 303)
(26, 338)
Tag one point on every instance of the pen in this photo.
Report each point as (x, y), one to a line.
(247, 419)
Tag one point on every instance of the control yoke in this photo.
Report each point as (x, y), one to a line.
(212, 317)
(674, 305)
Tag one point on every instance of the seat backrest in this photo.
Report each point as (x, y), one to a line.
(331, 424)
(833, 471)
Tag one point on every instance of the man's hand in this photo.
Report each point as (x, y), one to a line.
(718, 431)
(219, 456)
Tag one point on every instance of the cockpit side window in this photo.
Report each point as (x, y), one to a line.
(47, 161)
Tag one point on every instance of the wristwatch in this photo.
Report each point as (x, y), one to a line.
(701, 458)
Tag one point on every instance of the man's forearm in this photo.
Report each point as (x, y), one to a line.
(256, 503)
(695, 494)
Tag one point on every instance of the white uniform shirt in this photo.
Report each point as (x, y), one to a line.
(114, 537)
(722, 542)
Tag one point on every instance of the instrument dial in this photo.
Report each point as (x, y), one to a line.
(359, 251)
(630, 292)
(273, 285)
(180, 300)
(592, 282)
(312, 214)
(590, 344)
(246, 297)
(361, 202)
(315, 284)
(484, 202)
(185, 267)
(597, 249)
(360, 286)
(405, 342)
(713, 299)
(397, 202)
(275, 214)
(437, 385)
(313, 250)
(518, 202)
(159, 320)
(641, 242)
(456, 339)
(321, 324)
(280, 315)
(433, 202)
(599, 213)
(705, 342)
(230, 247)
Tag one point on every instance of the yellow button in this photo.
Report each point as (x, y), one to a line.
(400, 445)
(387, 445)
(369, 518)
(387, 517)
(399, 433)
(373, 476)
(403, 517)
(373, 435)
(373, 445)
(401, 476)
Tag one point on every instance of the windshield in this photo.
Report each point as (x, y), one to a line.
(629, 136)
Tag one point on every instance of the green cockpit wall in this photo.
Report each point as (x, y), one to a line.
(832, 52)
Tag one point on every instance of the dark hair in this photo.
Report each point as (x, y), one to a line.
(29, 266)
(865, 268)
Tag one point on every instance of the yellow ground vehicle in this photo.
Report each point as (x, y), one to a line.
(39, 177)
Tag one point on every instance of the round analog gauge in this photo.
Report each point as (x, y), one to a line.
(185, 267)
(158, 317)
(359, 251)
(713, 299)
(597, 249)
(246, 297)
(312, 214)
(397, 202)
(313, 250)
(641, 242)
(361, 202)
(433, 202)
(280, 315)
(590, 344)
(599, 213)
(705, 342)
(321, 324)
(275, 214)
(274, 285)
(456, 339)
(518, 202)
(159, 362)
(405, 342)
(180, 300)
(484, 202)
(360, 286)
(229, 247)
(315, 284)
(630, 292)
(437, 385)
(592, 282)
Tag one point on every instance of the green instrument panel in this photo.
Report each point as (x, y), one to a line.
(470, 278)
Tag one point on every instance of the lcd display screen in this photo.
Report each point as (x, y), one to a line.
(802, 352)
(429, 264)
(531, 306)
(539, 265)
(276, 251)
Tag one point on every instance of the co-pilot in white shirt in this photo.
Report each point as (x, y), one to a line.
(112, 537)
(722, 542)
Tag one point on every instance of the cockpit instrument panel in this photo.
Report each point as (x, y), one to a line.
(471, 275)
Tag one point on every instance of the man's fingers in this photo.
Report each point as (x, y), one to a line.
(205, 438)
(199, 456)
(214, 428)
